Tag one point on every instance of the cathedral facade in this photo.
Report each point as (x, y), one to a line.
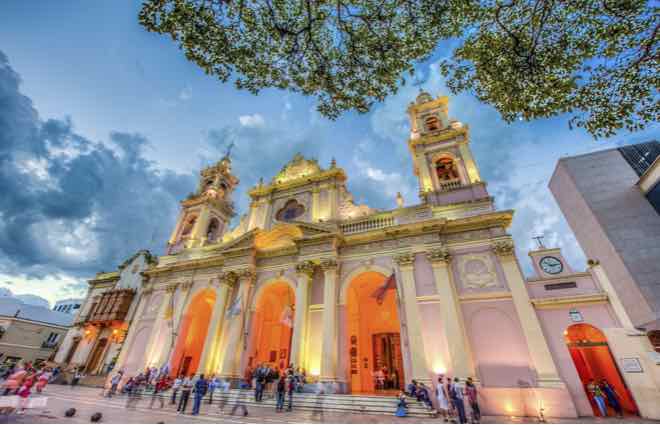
(348, 293)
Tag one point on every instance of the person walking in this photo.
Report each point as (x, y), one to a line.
(159, 388)
(442, 398)
(612, 398)
(114, 383)
(599, 398)
(260, 382)
(201, 387)
(214, 384)
(176, 386)
(186, 388)
(43, 379)
(280, 387)
(240, 402)
(472, 396)
(456, 395)
(224, 394)
(77, 376)
(291, 388)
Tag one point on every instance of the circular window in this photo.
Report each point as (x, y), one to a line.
(291, 210)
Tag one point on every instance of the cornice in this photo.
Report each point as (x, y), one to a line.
(184, 265)
(101, 278)
(447, 134)
(260, 191)
(485, 296)
(560, 302)
(558, 279)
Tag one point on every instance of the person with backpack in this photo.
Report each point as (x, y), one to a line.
(201, 387)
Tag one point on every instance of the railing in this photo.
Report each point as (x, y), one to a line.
(47, 344)
(367, 224)
(452, 185)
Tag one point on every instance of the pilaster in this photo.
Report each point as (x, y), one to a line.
(419, 365)
(539, 351)
(236, 325)
(460, 355)
(304, 270)
(329, 349)
(613, 297)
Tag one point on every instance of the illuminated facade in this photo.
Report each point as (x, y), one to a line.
(303, 279)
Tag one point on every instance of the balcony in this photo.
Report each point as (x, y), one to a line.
(47, 344)
(367, 224)
(450, 185)
(111, 306)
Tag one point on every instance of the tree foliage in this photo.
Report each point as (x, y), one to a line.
(597, 60)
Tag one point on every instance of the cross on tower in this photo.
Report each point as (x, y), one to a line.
(229, 148)
(539, 241)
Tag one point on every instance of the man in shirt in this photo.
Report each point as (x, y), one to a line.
(176, 386)
(186, 388)
(201, 387)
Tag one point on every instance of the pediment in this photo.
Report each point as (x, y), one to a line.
(285, 235)
(246, 240)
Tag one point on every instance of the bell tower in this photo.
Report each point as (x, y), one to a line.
(443, 162)
(205, 214)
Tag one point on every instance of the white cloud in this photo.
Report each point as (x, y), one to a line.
(254, 120)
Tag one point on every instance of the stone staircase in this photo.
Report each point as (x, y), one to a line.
(337, 403)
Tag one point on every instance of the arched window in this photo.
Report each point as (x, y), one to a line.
(291, 210)
(446, 170)
(187, 228)
(432, 123)
(212, 231)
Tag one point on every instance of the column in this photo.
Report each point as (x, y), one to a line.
(198, 235)
(329, 349)
(236, 323)
(613, 297)
(418, 364)
(305, 271)
(154, 348)
(213, 332)
(184, 289)
(468, 160)
(426, 183)
(460, 355)
(316, 206)
(132, 328)
(536, 343)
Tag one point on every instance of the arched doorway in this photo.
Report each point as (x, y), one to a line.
(593, 361)
(272, 326)
(94, 359)
(192, 333)
(374, 335)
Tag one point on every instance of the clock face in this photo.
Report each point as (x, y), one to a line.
(551, 265)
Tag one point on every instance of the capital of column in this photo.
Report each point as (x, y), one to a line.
(145, 291)
(186, 286)
(504, 248)
(171, 288)
(228, 278)
(305, 268)
(328, 264)
(246, 275)
(439, 255)
(405, 260)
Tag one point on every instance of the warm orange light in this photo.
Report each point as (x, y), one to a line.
(115, 331)
(87, 332)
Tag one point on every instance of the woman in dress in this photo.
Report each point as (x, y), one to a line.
(443, 399)
(15, 380)
(402, 406)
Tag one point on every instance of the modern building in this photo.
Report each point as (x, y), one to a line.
(94, 341)
(611, 200)
(30, 333)
(69, 305)
(349, 293)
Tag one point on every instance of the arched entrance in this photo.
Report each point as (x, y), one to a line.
(272, 326)
(192, 333)
(94, 359)
(374, 338)
(593, 361)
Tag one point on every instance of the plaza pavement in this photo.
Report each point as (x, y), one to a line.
(88, 401)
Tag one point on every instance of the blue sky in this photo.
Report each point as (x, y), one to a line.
(104, 127)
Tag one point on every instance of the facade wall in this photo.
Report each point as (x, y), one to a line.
(23, 340)
(614, 224)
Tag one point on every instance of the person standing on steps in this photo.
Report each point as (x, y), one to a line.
(159, 388)
(597, 393)
(201, 387)
(186, 388)
(280, 387)
(291, 384)
(612, 398)
(114, 383)
(457, 398)
(471, 393)
(176, 386)
(214, 384)
(442, 398)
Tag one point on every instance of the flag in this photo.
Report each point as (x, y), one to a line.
(379, 294)
(235, 307)
(287, 317)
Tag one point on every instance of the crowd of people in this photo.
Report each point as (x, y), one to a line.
(453, 397)
(22, 379)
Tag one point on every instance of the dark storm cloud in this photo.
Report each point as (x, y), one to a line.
(71, 205)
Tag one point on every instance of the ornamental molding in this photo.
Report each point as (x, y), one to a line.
(477, 271)
(246, 275)
(305, 268)
(328, 264)
(171, 288)
(228, 278)
(186, 286)
(504, 248)
(439, 255)
(405, 259)
(573, 300)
